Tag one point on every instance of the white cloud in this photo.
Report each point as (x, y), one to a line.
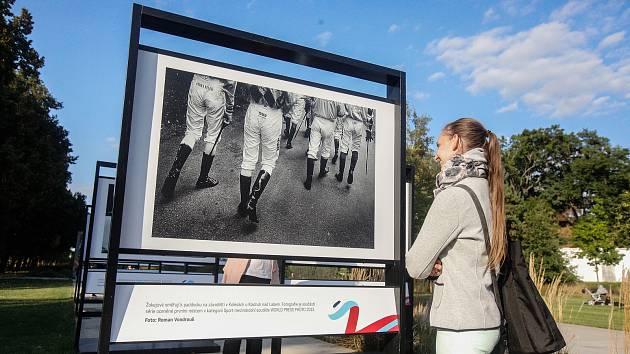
(436, 76)
(612, 39)
(112, 142)
(393, 28)
(419, 95)
(509, 108)
(490, 15)
(549, 68)
(323, 38)
(570, 9)
(518, 7)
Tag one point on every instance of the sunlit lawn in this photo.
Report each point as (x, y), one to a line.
(576, 312)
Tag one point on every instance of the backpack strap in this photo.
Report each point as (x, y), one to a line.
(486, 236)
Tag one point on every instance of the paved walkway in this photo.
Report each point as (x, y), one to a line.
(297, 345)
(591, 340)
(300, 345)
(580, 340)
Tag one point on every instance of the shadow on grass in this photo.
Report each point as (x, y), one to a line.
(37, 328)
(36, 325)
(25, 284)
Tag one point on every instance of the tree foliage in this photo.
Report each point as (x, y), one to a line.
(581, 179)
(534, 223)
(569, 170)
(420, 155)
(593, 235)
(39, 217)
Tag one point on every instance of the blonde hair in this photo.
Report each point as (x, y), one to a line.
(474, 135)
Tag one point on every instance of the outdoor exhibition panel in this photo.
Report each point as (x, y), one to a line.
(90, 284)
(182, 111)
(103, 184)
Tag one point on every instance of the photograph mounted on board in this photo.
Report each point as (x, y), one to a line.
(244, 162)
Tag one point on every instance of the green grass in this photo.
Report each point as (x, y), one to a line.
(576, 312)
(36, 316)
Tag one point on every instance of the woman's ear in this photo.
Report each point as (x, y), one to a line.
(456, 144)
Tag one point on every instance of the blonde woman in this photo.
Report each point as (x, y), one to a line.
(451, 248)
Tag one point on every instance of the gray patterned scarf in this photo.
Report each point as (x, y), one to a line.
(470, 164)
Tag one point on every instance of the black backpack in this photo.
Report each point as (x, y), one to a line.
(528, 326)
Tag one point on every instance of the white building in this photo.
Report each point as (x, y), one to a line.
(586, 272)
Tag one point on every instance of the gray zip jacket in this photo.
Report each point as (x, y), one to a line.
(462, 295)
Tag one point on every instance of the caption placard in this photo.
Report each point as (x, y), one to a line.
(145, 312)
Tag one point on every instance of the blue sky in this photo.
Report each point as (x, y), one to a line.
(513, 64)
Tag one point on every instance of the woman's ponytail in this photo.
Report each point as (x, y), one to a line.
(495, 180)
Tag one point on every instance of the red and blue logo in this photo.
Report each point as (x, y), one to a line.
(385, 324)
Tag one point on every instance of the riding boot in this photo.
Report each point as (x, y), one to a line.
(310, 165)
(353, 163)
(257, 189)
(291, 134)
(245, 182)
(342, 166)
(168, 188)
(323, 170)
(204, 181)
(287, 125)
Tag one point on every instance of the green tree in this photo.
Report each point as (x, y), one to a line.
(596, 170)
(39, 217)
(619, 216)
(534, 223)
(535, 158)
(420, 155)
(592, 234)
(571, 173)
(569, 170)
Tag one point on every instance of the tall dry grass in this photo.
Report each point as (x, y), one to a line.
(624, 298)
(555, 293)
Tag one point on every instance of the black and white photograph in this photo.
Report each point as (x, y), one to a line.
(241, 162)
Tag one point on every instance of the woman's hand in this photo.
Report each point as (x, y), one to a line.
(437, 269)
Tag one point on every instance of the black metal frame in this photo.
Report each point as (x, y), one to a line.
(78, 275)
(185, 27)
(88, 249)
(410, 173)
